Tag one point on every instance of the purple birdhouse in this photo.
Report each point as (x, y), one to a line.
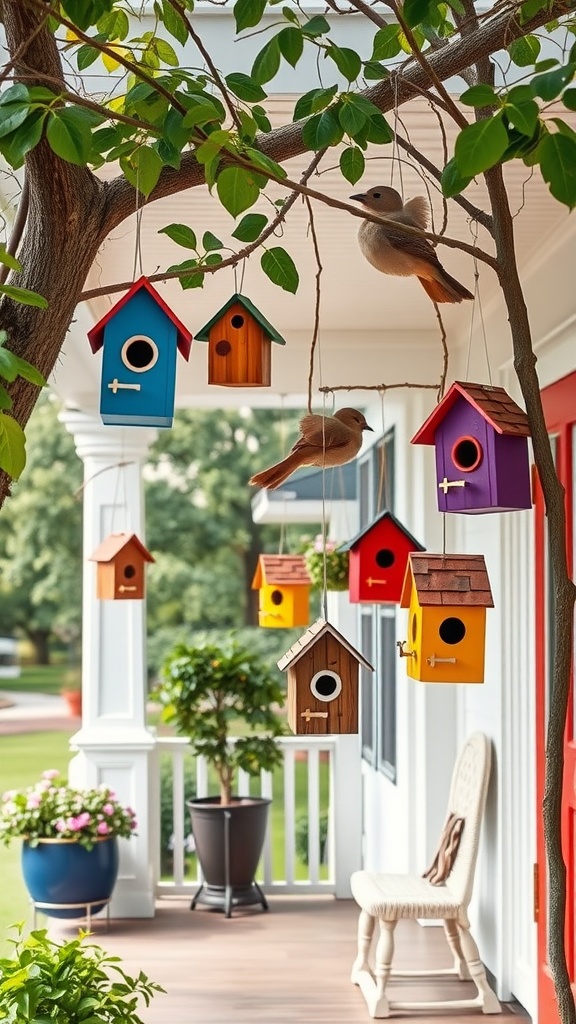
(481, 441)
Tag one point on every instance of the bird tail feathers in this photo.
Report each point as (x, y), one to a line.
(446, 289)
(276, 475)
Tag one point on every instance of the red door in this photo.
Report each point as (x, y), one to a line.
(559, 402)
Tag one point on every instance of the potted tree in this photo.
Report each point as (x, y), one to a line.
(209, 693)
(48, 981)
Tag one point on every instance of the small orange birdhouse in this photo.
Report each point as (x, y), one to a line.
(284, 586)
(120, 558)
(447, 597)
(378, 557)
(239, 345)
(323, 682)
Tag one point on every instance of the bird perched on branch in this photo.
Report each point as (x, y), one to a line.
(323, 441)
(402, 254)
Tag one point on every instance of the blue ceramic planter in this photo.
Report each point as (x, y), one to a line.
(61, 872)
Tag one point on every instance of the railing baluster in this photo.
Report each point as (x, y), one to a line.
(178, 815)
(289, 813)
(313, 815)
(243, 783)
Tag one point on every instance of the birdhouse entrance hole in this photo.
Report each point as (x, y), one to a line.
(385, 558)
(237, 321)
(466, 454)
(129, 571)
(223, 347)
(326, 685)
(276, 597)
(452, 630)
(139, 353)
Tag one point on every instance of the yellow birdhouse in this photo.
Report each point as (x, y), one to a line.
(322, 696)
(121, 558)
(284, 586)
(447, 597)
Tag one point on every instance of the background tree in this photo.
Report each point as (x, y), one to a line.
(176, 128)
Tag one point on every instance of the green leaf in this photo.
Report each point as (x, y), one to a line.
(181, 234)
(480, 145)
(237, 190)
(291, 45)
(415, 11)
(322, 130)
(203, 112)
(12, 116)
(386, 43)
(524, 51)
(29, 372)
(453, 183)
(9, 261)
(378, 130)
(23, 295)
(346, 60)
(244, 87)
(147, 165)
(250, 227)
(569, 99)
(8, 365)
(290, 15)
(545, 65)
(174, 22)
(267, 62)
(557, 158)
(480, 96)
(265, 163)
(85, 56)
(261, 118)
(248, 13)
(549, 85)
(14, 94)
(518, 94)
(352, 164)
(316, 26)
(530, 9)
(373, 71)
(15, 146)
(351, 119)
(114, 25)
(12, 446)
(166, 52)
(313, 101)
(280, 268)
(5, 400)
(69, 135)
(564, 128)
(213, 259)
(524, 116)
(210, 242)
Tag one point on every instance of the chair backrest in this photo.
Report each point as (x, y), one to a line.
(467, 799)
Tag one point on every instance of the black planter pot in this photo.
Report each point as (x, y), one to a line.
(229, 842)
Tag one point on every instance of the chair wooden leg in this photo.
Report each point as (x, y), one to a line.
(378, 1005)
(488, 998)
(460, 965)
(365, 932)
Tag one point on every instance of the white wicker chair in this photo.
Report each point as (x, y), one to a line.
(387, 898)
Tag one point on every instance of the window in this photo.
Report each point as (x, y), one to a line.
(387, 691)
(367, 687)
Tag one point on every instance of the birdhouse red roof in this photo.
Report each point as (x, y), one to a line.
(310, 637)
(114, 543)
(447, 580)
(494, 404)
(384, 516)
(281, 570)
(183, 335)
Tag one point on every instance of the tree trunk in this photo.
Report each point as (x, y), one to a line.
(39, 639)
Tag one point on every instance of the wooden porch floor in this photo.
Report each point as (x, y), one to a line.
(288, 966)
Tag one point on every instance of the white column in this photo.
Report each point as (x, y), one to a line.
(114, 746)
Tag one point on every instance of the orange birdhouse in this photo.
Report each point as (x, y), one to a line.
(378, 557)
(447, 597)
(323, 682)
(284, 586)
(239, 345)
(120, 558)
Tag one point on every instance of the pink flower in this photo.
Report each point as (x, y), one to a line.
(108, 809)
(133, 823)
(50, 773)
(33, 802)
(102, 828)
(9, 795)
(60, 825)
(83, 819)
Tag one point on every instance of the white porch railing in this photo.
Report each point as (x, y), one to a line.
(320, 777)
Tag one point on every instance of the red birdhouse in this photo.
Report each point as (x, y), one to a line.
(322, 695)
(481, 440)
(121, 558)
(239, 345)
(378, 557)
(284, 586)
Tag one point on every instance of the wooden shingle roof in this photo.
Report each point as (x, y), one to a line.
(114, 543)
(310, 637)
(281, 570)
(447, 580)
(271, 332)
(494, 404)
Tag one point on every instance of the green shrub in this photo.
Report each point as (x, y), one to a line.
(301, 838)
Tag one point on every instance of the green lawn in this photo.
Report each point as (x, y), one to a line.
(22, 760)
(37, 679)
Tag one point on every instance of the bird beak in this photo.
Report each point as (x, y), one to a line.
(366, 427)
(359, 198)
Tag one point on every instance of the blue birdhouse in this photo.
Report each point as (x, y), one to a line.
(139, 337)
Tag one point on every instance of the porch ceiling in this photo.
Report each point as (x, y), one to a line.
(373, 328)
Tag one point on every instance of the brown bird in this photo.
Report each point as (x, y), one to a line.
(405, 255)
(323, 441)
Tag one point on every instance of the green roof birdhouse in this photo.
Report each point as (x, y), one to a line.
(239, 345)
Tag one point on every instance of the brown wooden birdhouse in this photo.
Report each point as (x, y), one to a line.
(447, 597)
(239, 345)
(378, 557)
(323, 683)
(120, 559)
(284, 585)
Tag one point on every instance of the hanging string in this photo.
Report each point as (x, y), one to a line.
(383, 482)
(324, 558)
(239, 289)
(395, 151)
(477, 301)
(443, 534)
(116, 493)
(282, 538)
(138, 242)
